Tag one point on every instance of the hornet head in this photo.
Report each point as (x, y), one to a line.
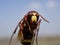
(33, 16)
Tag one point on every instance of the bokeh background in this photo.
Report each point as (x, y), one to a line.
(12, 11)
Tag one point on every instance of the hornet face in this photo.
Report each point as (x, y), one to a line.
(33, 16)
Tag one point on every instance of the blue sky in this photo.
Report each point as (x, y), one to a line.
(12, 11)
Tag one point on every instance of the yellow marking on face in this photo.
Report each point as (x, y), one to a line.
(34, 18)
(34, 13)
